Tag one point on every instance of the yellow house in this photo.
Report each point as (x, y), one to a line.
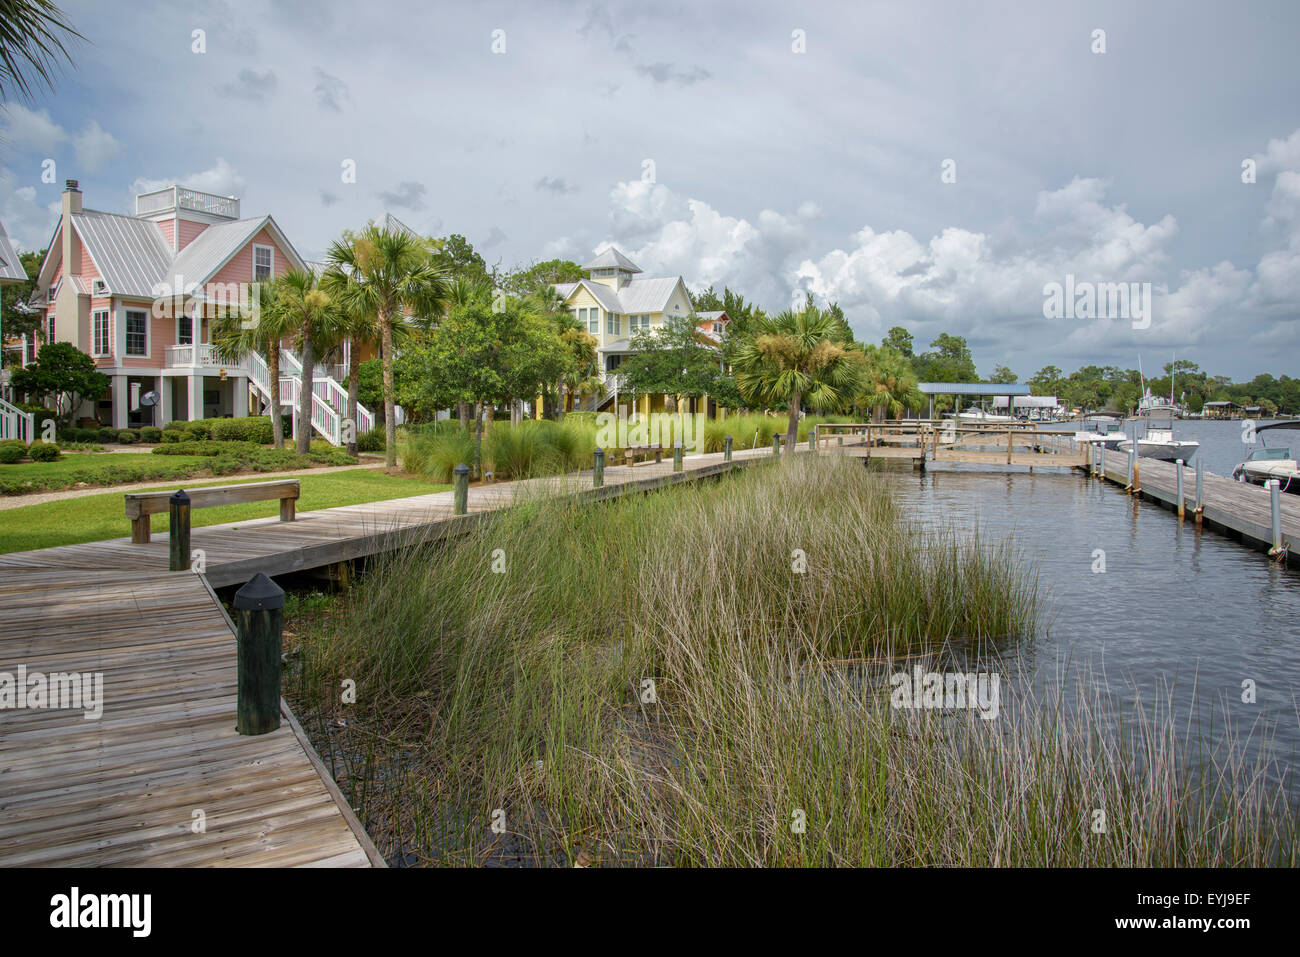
(614, 305)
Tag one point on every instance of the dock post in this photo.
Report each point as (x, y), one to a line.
(179, 531)
(461, 473)
(812, 439)
(1132, 468)
(598, 468)
(1200, 489)
(1137, 477)
(1275, 504)
(776, 443)
(677, 456)
(726, 449)
(259, 623)
(1178, 464)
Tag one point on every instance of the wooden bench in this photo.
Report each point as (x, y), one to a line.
(631, 454)
(141, 505)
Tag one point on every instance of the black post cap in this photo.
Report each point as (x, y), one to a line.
(259, 594)
(728, 438)
(461, 469)
(179, 498)
(600, 453)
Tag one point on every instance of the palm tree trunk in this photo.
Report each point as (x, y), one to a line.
(354, 387)
(390, 416)
(302, 434)
(478, 441)
(792, 427)
(273, 371)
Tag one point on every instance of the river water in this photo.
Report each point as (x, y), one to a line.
(1174, 607)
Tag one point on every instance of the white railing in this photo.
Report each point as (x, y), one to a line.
(328, 401)
(200, 356)
(16, 424)
(180, 197)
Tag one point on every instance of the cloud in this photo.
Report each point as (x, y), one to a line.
(251, 85)
(221, 179)
(330, 91)
(554, 184)
(95, 146)
(328, 199)
(408, 195)
(668, 73)
(495, 238)
(31, 131)
(28, 223)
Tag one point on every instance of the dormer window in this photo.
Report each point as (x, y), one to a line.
(53, 292)
(100, 288)
(263, 263)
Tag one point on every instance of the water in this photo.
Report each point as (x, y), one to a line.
(1174, 606)
(1222, 447)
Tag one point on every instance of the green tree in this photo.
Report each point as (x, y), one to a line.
(62, 373)
(793, 358)
(32, 37)
(900, 340)
(542, 275)
(389, 273)
(315, 323)
(949, 360)
(19, 318)
(1003, 375)
(675, 359)
(888, 385)
(234, 337)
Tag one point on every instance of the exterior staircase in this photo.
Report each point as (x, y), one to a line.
(16, 424)
(329, 400)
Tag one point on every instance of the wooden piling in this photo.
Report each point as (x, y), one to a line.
(259, 625)
(179, 531)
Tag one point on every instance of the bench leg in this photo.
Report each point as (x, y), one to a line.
(286, 509)
(140, 530)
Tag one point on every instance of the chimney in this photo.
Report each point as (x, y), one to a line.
(71, 196)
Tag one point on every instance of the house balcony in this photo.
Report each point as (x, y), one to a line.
(180, 197)
(201, 356)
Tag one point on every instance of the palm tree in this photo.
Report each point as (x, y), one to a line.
(31, 45)
(311, 317)
(793, 357)
(888, 385)
(234, 337)
(390, 274)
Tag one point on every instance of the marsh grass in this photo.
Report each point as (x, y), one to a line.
(526, 691)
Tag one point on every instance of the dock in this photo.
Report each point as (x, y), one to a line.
(162, 778)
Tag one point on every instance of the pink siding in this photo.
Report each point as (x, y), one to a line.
(189, 232)
(240, 268)
(168, 228)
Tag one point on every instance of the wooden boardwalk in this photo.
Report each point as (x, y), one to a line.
(133, 786)
(1236, 507)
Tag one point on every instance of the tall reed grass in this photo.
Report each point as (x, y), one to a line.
(652, 681)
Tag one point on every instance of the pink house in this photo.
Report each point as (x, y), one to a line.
(136, 293)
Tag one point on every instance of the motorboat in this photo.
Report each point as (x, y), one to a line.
(1271, 463)
(1157, 441)
(1102, 428)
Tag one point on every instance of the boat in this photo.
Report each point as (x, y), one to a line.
(1275, 463)
(1158, 442)
(979, 415)
(1102, 428)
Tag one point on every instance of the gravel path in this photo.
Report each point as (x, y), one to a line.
(16, 501)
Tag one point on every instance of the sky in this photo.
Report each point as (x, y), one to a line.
(931, 165)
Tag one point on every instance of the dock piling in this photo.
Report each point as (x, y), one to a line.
(1275, 505)
(1178, 465)
(461, 499)
(259, 626)
(598, 468)
(179, 531)
(726, 449)
(776, 443)
(677, 456)
(1200, 489)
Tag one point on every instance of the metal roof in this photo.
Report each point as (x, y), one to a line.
(130, 253)
(647, 295)
(210, 250)
(611, 258)
(973, 388)
(11, 267)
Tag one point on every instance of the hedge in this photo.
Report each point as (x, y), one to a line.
(43, 452)
(12, 451)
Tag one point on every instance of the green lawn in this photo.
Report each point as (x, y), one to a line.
(96, 517)
(97, 468)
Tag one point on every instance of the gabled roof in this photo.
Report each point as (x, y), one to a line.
(635, 296)
(11, 267)
(611, 258)
(130, 254)
(395, 225)
(217, 245)
(714, 316)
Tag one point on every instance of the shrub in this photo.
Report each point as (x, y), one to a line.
(372, 441)
(205, 447)
(173, 435)
(86, 435)
(437, 454)
(105, 434)
(11, 451)
(254, 428)
(151, 435)
(176, 425)
(128, 437)
(198, 429)
(43, 451)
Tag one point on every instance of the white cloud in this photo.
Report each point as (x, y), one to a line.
(28, 223)
(221, 179)
(31, 131)
(95, 146)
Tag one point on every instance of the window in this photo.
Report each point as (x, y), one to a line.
(51, 338)
(185, 330)
(645, 323)
(53, 293)
(613, 324)
(593, 321)
(137, 333)
(263, 263)
(99, 333)
(100, 288)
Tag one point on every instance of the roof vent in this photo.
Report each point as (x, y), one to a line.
(70, 184)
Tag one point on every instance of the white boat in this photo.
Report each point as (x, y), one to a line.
(1158, 442)
(1101, 428)
(1275, 463)
(979, 415)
